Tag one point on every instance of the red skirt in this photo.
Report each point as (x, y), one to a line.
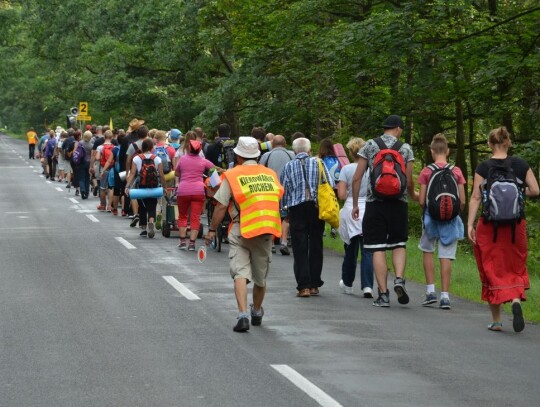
(502, 264)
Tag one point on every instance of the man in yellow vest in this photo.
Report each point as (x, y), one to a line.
(31, 135)
(251, 193)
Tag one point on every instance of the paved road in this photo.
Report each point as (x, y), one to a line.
(87, 321)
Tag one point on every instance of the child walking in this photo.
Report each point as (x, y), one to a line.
(442, 198)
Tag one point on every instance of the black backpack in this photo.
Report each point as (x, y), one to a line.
(442, 195)
(502, 198)
(67, 148)
(388, 176)
(226, 156)
(148, 176)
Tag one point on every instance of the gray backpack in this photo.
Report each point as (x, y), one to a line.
(502, 198)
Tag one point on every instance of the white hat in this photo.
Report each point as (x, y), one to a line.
(247, 147)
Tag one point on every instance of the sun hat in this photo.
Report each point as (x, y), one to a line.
(134, 125)
(247, 147)
(392, 122)
(175, 134)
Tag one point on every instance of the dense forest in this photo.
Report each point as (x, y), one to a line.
(329, 68)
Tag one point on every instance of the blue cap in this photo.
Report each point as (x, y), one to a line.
(175, 134)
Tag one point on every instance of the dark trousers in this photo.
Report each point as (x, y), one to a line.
(84, 177)
(31, 151)
(348, 268)
(147, 210)
(52, 167)
(307, 244)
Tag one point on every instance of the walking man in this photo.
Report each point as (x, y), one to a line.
(300, 178)
(31, 135)
(385, 223)
(251, 192)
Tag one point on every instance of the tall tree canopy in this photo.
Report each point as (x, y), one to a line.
(325, 67)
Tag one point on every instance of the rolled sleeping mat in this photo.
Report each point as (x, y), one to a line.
(143, 193)
(169, 176)
(122, 175)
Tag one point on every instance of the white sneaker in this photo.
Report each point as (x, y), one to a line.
(346, 290)
(368, 292)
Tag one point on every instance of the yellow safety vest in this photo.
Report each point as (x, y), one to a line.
(257, 192)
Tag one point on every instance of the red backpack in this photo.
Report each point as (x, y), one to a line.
(105, 153)
(388, 176)
(148, 176)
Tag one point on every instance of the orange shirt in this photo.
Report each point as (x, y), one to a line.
(32, 137)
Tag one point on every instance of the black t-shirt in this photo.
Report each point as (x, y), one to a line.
(518, 165)
(97, 142)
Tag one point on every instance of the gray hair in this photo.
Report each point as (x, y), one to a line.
(301, 145)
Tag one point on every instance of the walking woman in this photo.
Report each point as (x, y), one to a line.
(190, 191)
(501, 248)
(84, 166)
(350, 230)
(149, 171)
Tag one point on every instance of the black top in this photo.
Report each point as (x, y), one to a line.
(518, 165)
(97, 142)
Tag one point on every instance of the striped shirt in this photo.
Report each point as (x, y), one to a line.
(294, 182)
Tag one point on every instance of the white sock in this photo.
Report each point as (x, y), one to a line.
(444, 295)
(430, 288)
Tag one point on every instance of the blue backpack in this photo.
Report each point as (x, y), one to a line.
(332, 164)
(162, 153)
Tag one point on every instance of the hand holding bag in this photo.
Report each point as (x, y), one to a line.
(328, 203)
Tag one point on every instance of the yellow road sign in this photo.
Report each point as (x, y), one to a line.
(83, 108)
(84, 118)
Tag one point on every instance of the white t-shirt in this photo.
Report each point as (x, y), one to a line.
(346, 175)
(138, 160)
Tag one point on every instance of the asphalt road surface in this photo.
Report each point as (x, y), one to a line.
(94, 315)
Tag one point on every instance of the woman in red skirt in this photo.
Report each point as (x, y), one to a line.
(500, 246)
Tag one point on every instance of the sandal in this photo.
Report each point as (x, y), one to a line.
(495, 326)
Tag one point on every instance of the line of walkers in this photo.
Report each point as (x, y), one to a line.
(270, 195)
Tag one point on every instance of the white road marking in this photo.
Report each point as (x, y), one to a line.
(23, 217)
(92, 218)
(16, 213)
(42, 176)
(181, 288)
(73, 200)
(306, 386)
(125, 243)
(36, 171)
(48, 182)
(59, 189)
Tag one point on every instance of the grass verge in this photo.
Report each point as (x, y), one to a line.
(465, 280)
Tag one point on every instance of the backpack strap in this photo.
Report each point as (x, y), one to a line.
(382, 145)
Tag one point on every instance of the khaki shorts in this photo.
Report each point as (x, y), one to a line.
(250, 258)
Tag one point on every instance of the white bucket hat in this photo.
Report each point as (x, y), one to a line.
(247, 147)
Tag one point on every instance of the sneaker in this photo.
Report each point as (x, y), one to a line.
(444, 304)
(77, 193)
(115, 212)
(101, 208)
(333, 233)
(399, 288)
(284, 250)
(256, 317)
(95, 191)
(242, 325)
(144, 233)
(346, 290)
(273, 249)
(368, 292)
(191, 246)
(134, 221)
(518, 323)
(68, 186)
(124, 213)
(151, 231)
(383, 300)
(431, 298)
(183, 244)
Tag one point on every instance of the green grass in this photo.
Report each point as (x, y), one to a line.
(465, 281)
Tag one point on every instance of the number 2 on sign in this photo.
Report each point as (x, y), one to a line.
(83, 108)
